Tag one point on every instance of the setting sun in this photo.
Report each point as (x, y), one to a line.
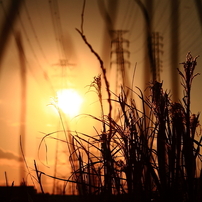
(69, 101)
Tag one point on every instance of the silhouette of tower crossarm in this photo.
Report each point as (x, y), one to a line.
(63, 63)
(119, 50)
(119, 40)
(62, 72)
(118, 37)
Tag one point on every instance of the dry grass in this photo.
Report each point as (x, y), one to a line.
(142, 156)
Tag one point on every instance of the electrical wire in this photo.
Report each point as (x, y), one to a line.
(59, 36)
(34, 32)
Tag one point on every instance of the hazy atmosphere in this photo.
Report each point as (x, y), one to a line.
(42, 54)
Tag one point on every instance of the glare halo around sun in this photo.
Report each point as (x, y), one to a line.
(69, 101)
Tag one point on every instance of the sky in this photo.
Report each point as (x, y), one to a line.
(51, 65)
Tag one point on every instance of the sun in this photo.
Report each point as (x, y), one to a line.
(69, 101)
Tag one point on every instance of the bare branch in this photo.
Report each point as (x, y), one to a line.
(82, 15)
(101, 66)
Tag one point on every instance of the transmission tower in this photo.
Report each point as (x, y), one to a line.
(61, 75)
(156, 55)
(119, 49)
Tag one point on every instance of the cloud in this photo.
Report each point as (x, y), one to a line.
(8, 155)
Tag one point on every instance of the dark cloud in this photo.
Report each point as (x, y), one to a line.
(8, 155)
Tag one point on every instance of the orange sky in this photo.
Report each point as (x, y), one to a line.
(43, 55)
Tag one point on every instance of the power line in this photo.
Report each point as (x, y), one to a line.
(46, 77)
(127, 15)
(34, 32)
(59, 36)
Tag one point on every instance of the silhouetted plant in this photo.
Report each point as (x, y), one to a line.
(144, 156)
(147, 154)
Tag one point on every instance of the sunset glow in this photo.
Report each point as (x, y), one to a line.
(73, 72)
(69, 101)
